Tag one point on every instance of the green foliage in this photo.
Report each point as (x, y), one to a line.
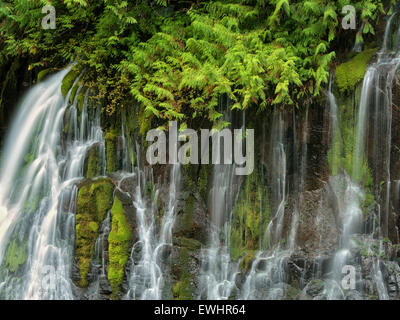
(94, 200)
(177, 58)
(119, 242)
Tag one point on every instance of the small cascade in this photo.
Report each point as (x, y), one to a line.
(218, 271)
(146, 278)
(269, 273)
(349, 188)
(217, 280)
(279, 192)
(99, 262)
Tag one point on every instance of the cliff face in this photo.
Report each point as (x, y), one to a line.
(311, 226)
(324, 195)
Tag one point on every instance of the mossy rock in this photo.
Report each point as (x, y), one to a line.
(94, 163)
(16, 255)
(68, 82)
(73, 93)
(350, 73)
(119, 241)
(250, 216)
(190, 244)
(111, 147)
(247, 261)
(94, 200)
(42, 75)
(292, 293)
(80, 99)
(184, 288)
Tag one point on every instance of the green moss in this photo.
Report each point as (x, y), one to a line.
(111, 152)
(73, 92)
(189, 207)
(42, 74)
(348, 74)
(94, 200)
(16, 255)
(119, 241)
(250, 216)
(80, 99)
(94, 164)
(247, 260)
(184, 288)
(68, 81)
(342, 149)
(236, 244)
(189, 243)
(94, 226)
(292, 293)
(203, 181)
(29, 157)
(144, 122)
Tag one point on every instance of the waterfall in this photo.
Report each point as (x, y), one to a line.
(217, 280)
(218, 271)
(146, 279)
(278, 162)
(38, 193)
(320, 200)
(376, 100)
(268, 275)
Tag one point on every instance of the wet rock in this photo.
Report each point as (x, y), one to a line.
(317, 232)
(314, 288)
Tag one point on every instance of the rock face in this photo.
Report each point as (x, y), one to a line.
(110, 259)
(369, 257)
(312, 223)
(318, 230)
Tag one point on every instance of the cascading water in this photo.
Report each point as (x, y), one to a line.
(268, 273)
(146, 279)
(44, 161)
(375, 98)
(218, 273)
(38, 193)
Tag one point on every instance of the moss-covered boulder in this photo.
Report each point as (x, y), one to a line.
(119, 241)
(350, 73)
(94, 200)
